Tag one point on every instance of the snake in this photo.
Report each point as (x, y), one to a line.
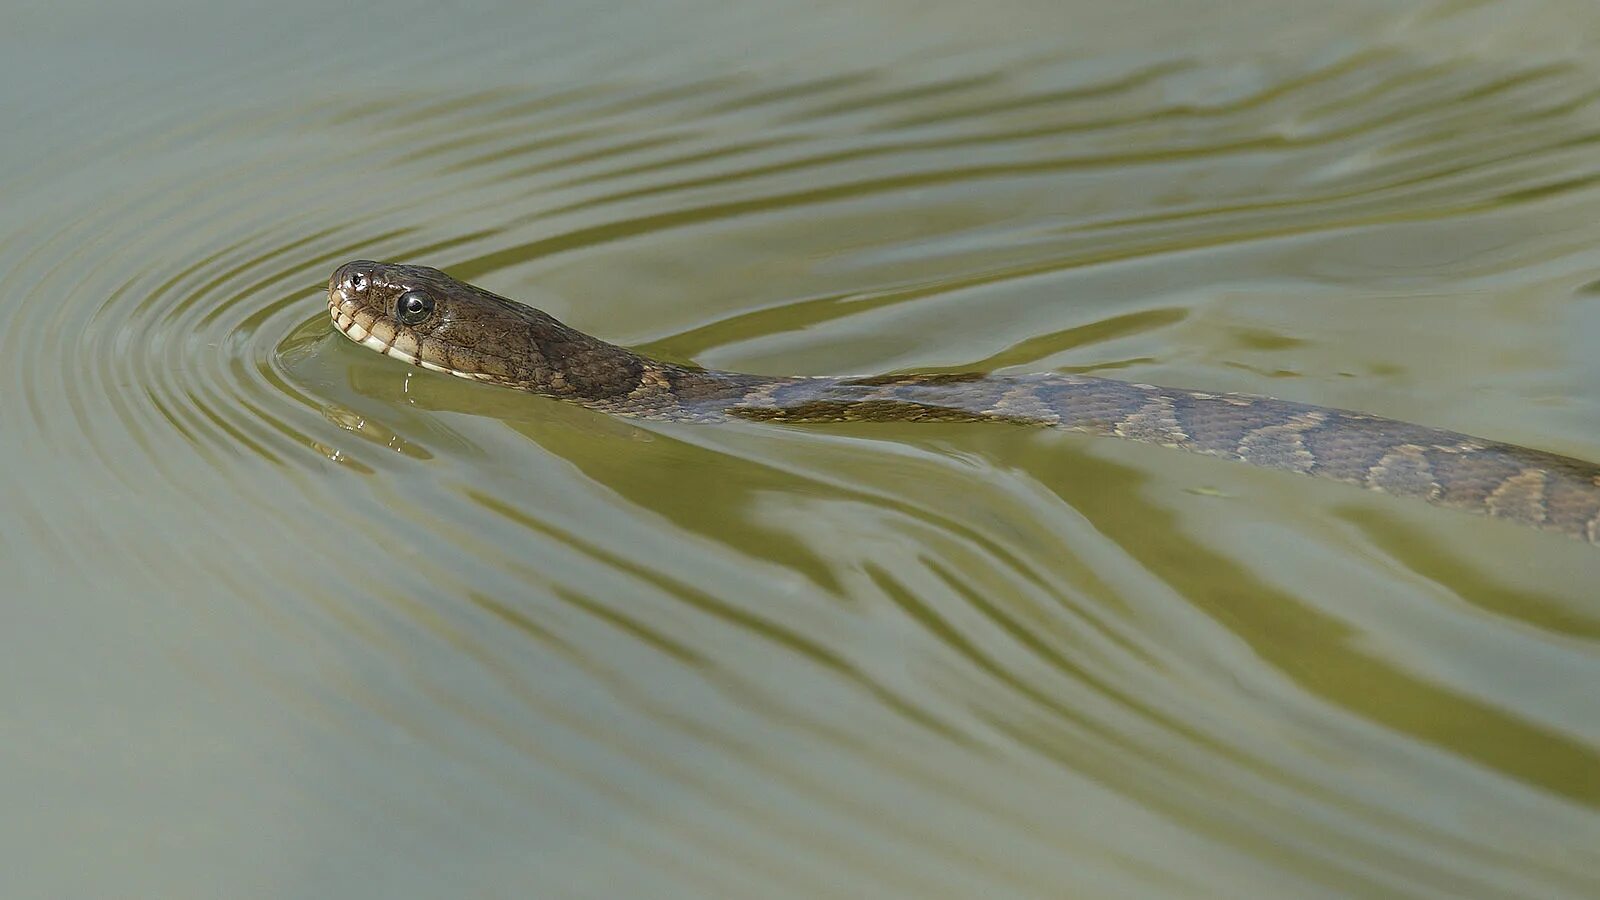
(422, 316)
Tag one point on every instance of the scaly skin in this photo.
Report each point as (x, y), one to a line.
(469, 332)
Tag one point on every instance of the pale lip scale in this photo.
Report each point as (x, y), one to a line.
(353, 330)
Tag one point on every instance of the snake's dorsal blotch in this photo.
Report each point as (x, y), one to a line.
(469, 332)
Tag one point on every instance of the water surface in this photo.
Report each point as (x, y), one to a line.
(286, 618)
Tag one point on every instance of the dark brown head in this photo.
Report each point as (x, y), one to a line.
(424, 317)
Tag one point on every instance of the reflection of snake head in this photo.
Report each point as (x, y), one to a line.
(424, 317)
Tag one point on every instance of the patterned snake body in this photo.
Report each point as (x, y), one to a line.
(423, 316)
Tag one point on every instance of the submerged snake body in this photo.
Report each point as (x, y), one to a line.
(425, 317)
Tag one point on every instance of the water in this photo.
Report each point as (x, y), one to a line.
(285, 618)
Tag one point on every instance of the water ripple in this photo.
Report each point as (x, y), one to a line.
(923, 661)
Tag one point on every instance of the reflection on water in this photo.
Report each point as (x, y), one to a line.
(293, 618)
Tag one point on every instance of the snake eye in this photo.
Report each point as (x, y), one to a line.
(413, 307)
(358, 281)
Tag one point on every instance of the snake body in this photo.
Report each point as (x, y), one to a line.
(424, 317)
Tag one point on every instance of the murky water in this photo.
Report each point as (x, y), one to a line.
(285, 618)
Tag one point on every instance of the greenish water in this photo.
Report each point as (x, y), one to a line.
(283, 618)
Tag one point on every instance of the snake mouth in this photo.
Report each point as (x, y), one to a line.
(348, 319)
(363, 327)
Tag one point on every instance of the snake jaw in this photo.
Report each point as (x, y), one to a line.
(343, 310)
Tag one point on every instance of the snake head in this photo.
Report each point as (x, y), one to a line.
(424, 317)
(391, 309)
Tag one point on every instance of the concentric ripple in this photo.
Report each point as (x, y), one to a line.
(294, 615)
